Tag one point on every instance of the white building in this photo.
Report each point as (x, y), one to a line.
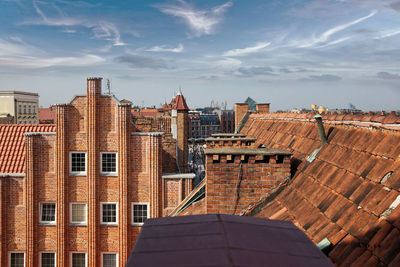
(23, 106)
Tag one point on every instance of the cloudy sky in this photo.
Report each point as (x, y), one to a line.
(291, 53)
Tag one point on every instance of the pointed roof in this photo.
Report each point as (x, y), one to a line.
(251, 103)
(165, 106)
(180, 102)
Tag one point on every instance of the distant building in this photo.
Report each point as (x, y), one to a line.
(23, 106)
(194, 124)
(209, 125)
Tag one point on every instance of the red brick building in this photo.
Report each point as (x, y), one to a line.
(76, 193)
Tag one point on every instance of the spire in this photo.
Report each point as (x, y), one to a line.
(180, 102)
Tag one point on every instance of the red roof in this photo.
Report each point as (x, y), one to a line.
(165, 106)
(349, 194)
(47, 114)
(180, 103)
(12, 145)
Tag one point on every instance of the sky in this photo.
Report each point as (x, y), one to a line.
(290, 53)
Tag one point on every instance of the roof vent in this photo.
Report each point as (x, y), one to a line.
(321, 130)
(386, 177)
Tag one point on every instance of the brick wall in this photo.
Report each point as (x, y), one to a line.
(262, 108)
(236, 181)
(93, 125)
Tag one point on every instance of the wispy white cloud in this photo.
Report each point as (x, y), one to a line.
(101, 29)
(201, 22)
(246, 51)
(387, 34)
(317, 41)
(163, 48)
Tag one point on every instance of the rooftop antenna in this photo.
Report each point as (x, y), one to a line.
(109, 86)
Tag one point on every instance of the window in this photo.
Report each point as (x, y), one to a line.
(110, 260)
(47, 213)
(108, 163)
(17, 259)
(24, 109)
(29, 109)
(78, 163)
(34, 109)
(78, 259)
(78, 213)
(109, 213)
(19, 109)
(140, 212)
(47, 259)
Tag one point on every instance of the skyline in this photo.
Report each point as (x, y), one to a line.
(289, 53)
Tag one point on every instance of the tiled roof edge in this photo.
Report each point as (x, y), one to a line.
(309, 117)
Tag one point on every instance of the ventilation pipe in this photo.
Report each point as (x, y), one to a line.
(321, 130)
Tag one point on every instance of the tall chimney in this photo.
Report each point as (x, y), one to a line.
(321, 130)
(93, 86)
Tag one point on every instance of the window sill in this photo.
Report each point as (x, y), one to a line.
(109, 174)
(77, 174)
(47, 223)
(137, 224)
(78, 224)
(109, 224)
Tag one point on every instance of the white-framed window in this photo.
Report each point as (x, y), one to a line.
(109, 163)
(109, 213)
(140, 213)
(109, 259)
(17, 259)
(47, 212)
(78, 213)
(47, 259)
(78, 259)
(77, 163)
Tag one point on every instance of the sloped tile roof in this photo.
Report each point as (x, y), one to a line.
(12, 145)
(349, 193)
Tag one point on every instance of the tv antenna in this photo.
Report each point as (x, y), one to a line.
(109, 86)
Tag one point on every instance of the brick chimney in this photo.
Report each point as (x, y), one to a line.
(238, 174)
(240, 111)
(262, 108)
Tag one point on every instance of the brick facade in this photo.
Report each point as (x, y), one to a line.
(91, 124)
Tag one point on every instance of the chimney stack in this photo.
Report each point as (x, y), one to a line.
(93, 86)
(321, 130)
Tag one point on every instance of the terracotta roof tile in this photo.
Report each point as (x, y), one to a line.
(12, 145)
(340, 190)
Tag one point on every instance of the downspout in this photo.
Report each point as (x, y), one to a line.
(176, 151)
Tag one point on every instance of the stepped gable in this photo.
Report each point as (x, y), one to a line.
(349, 194)
(12, 145)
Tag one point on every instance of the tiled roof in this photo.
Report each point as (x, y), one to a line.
(223, 240)
(12, 145)
(180, 103)
(349, 194)
(47, 114)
